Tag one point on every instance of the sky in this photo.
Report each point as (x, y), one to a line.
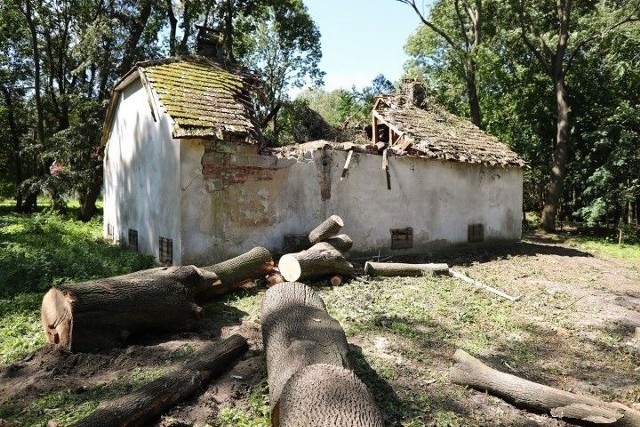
(361, 39)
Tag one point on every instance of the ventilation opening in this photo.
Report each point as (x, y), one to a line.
(133, 239)
(166, 251)
(402, 238)
(109, 231)
(295, 243)
(475, 233)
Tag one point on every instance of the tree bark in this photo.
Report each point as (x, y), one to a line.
(559, 161)
(302, 344)
(401, 269)
(328, 228)
(321, 259)
(104, 313)
(237, 271)
(523, 393)
(325, 395)
(144, 405)
(341, 242)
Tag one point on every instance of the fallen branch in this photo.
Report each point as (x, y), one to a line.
(322, 259)
(481, 285)
(142, 406)
(389, 269)
(471, 372)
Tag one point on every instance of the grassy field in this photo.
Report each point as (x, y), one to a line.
(402, 331)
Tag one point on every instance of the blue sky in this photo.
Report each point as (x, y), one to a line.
(361, 39)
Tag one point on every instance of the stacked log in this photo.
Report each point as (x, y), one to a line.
(324, 259)
(308, 367)
(104, 313)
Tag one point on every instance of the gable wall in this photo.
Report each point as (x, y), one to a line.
(141, 174)
(236, 199)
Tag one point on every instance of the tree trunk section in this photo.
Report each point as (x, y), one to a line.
(341, 242)
(104, 313)
(321, 259)
(328, 228)
(390, 269)
(298, 333)
(523, 393)
(237, 271)
(144, 405)
(324, 395)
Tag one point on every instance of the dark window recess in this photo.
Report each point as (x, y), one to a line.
(133, 239)
(166, 251)
(295, 243)
(402, 238)
(475, 233)
(110, 231)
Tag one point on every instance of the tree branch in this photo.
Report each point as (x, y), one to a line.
(546, 64)
(430, 24)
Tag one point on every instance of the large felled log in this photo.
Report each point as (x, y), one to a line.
(558, 403)
(402, 269)
(327, 396)
(104, 313)
(328, 228)
(145, 404)
(341, 242)
(298, 333)
(321, 259)
(237, 271)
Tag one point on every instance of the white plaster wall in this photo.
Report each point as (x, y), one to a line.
(437, 199)
(141, 175)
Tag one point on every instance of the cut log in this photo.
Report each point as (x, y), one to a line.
(146, 404)
(297, 333)
(328, 228)
(240, 270)
(471, 372)
(327, 396)
(402, 269)
(321, 259)
(104, 313)
(335, 281)
(341, 242)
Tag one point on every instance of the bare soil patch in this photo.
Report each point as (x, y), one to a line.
(576, 327)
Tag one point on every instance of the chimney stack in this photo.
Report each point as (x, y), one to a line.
(415, 92)
(209, 43)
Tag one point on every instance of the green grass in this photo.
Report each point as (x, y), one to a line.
(612, 249)
(41, 250)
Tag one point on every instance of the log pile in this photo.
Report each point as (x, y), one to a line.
(104, 313)
(308, 367)
(471, 372)
(324, 259)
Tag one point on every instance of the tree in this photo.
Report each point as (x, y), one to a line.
(547, 35)
(455, 30)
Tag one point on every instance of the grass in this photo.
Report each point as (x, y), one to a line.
(39, 251)
(402, 331)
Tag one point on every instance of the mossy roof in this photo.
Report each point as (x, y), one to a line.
(432, 132)
(203, 97)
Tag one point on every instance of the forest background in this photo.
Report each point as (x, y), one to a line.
(559, 81)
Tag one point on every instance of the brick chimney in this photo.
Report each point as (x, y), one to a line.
(415, 92)
(209, 43)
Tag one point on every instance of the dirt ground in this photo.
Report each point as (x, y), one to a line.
(590, 292)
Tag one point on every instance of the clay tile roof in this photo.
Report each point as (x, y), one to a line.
(203, 97)
(432, 132)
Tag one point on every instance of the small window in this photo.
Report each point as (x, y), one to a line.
(475, 233)
(109, 231)
(166, 251)
(402, 238)
(133, 239)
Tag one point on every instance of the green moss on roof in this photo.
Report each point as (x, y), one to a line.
(203, 97)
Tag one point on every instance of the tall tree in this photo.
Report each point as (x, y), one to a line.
(547, 35)
(461, 34)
